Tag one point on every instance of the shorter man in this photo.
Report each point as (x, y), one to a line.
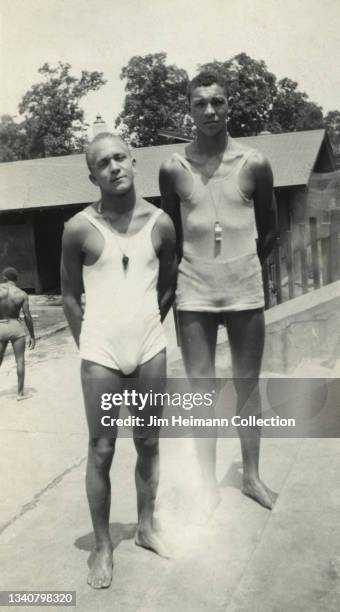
(123, 249)
(12, 300)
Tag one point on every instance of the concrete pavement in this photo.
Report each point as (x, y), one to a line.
(245, 559)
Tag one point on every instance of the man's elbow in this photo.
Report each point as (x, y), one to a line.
(70, 301)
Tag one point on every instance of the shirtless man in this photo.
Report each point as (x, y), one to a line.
(12, 301)
(124, 249)
(220, 197)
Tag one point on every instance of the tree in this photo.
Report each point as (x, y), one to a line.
(332, 123)
(251, 90)
(156, 98)
(13, 140)
(53, 122)
(292, 111)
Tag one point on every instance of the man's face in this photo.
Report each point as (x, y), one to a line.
(209, 108)
(112, 167)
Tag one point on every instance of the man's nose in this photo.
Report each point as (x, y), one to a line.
(209, 109)
(114, 166)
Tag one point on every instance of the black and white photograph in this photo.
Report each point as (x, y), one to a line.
(170, 305)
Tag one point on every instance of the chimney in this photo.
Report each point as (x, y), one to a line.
(99, 126)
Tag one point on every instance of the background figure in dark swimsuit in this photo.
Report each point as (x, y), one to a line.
(12, 301)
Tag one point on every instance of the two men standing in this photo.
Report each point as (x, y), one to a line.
(219, 196)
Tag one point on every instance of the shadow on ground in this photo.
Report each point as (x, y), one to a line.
(118, 531)
(12, 392)
(233, 477)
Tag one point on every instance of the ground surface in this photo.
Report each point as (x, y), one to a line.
(244, 559)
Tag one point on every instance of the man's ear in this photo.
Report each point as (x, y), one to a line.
(93, 180)
(134, 164)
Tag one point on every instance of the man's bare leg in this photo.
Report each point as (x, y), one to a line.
(246, 338)
(97, 379)
(3, 346)
(19, 346)
(198, 333)
(152, 374)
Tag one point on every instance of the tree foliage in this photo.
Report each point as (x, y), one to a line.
(53, 122)
(155, 99)
(251, 89)
(13, 140)
(332, 123)
(258, 102)
(292, 111)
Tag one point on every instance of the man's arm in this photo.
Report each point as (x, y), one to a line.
(265, 206)
(166, 252)
(71, 276)
(29, 322)
(170, 201)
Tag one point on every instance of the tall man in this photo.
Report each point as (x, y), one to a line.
(12, 301)
(124, 250)
(220, 196)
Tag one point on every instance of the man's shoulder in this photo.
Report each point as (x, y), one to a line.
(79, 222)
(174, 163)
(164, 226)
(76, 231)
(3, 290)
(162, 219)
(19, 295)
(255, 159)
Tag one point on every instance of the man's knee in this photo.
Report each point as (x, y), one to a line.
(204, 369)
(20, 366)
(246, 385)
(101, 451)
(147, 446)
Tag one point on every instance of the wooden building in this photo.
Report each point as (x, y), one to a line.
(38, 196)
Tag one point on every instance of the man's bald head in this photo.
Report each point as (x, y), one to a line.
(99, 138)
(10, 274)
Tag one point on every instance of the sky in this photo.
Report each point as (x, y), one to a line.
(299, 39)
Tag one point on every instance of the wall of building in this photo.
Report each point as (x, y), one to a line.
(17, 247)
(48, 228)
(307, 327)
(31, 242)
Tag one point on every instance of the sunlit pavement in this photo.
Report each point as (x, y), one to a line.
(244, 559)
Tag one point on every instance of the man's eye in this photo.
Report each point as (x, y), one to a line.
(217, 102)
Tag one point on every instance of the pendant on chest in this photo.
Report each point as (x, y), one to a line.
(218, 231)
(125, 262)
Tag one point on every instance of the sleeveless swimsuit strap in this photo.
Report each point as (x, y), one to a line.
(148, 224)
(101, 228)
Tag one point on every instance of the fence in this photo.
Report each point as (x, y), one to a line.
(306, 258)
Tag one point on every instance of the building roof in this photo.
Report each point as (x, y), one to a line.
(61, 181)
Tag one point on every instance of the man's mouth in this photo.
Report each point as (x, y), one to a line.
(115, 180)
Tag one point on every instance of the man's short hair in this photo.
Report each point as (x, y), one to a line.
(205, 78)
(98, 138)
(10, 274)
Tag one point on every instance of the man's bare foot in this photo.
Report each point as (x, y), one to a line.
(22, 396)
(257, 490)
(207, 506)
(151, 540)
(100, 574)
